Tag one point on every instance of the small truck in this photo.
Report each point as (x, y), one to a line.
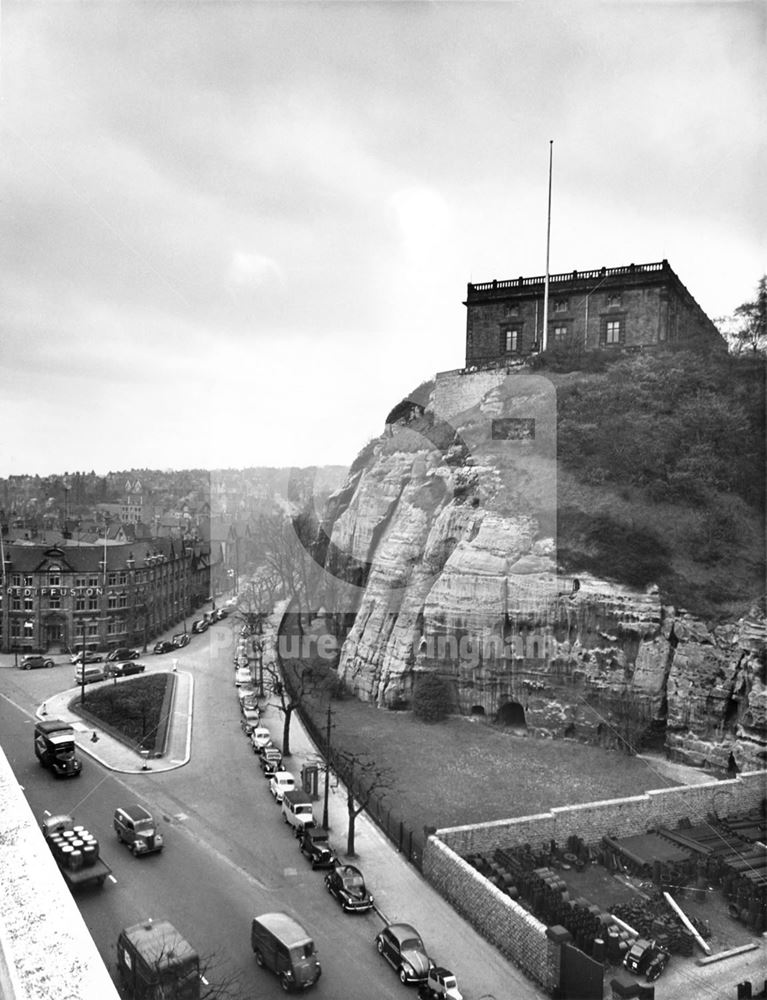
(76, 851)
(440, 985)
(55, 748)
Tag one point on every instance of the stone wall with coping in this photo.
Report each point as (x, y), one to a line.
(46, 951)
(516, 933)
(614, 817)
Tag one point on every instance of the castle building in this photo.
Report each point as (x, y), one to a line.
(634, 307)
(56, 598)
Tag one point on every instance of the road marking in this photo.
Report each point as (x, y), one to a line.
(112, 879)
(46, 812)
(290, 871)
(204, 981)
(180, 817)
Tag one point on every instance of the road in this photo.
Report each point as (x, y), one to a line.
(228, 854)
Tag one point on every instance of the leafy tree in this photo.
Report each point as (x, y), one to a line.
(432, 700)
(751, 332)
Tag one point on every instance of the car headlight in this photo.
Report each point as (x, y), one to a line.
(158, 838)
(407, 968)
(140, 842)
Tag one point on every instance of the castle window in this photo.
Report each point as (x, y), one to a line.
(560, 305)
(613, 331)
(511, 340)
(560, 332)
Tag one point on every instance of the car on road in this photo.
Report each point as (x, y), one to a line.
(124, 669)
(199, 626)
(315, 846)
(221, 614)
(260, 737)
(440, 985)
(88, 656)
(281, 782)
(135, 826)
(251, 716)
(181, 639)
(403, 949)
(33, 661)
(270, 760)
(243, 676)
(163, 646)
(246, 692)
(346, 883)
(122, 653)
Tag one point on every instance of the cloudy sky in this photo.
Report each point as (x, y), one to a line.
(237, 234)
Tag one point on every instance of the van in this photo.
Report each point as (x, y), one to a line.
(154, 960)
(87, 673)
(297, 810)
(135, 826)
(281, 945)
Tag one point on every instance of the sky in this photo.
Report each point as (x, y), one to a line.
(237, 234)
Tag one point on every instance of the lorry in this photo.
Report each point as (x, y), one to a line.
(154, 960)
(75, 850)
(297, 811)
(281, 945)
(55, 748)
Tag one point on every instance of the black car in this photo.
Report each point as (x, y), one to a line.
(31, 662)
(314, 845)
(403, 949)
(124, 669)
(123, 653)
(181, 639)
(200, 626)
(346, 883)
(270, 760)
(164, 646)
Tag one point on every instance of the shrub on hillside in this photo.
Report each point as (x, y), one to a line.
(432, 700)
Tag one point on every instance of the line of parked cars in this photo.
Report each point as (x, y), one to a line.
(399, 944)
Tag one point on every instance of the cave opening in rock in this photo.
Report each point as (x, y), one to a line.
(731, 713)
(477, 710)
(512, 714)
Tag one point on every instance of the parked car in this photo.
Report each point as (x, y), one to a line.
(135, 826)
(124, 669)
(221, 614)
(403, 949)
(314, 845)
(260, 737)
(199, 626)
(32, 661)
(441, 984)
(251, 716)
(87, 656)
(243, 676)
(89, 673)
(123, 653)
(346, 883)
(181, 639)
(164, 646)
(270, 759)
(281, 782)
(246, 692)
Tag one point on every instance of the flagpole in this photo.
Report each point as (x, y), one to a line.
(545, 335)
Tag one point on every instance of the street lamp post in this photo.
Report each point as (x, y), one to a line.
(82, 665)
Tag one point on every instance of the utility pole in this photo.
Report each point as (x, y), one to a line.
(327, 770)
(82, 666)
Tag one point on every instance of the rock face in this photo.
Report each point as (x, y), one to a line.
(448, 535)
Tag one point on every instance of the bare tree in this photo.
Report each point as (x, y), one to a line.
(301, 682)
(256, 600)
(363, 778)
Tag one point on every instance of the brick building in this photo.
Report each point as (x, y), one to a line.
(59, 597)
(637, 306)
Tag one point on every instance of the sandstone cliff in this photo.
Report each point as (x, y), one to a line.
(448, 533)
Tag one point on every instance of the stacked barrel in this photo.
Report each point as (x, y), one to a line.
(74, 848)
